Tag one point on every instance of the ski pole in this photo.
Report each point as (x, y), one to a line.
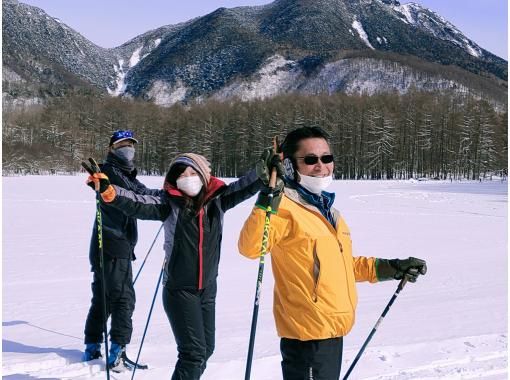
(263, 251)
(386, 309)
(148, 319)
(94, 168)
(147, 255)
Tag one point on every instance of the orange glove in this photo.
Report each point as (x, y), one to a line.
(100, 182)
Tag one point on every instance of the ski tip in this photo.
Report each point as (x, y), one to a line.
(133, 364)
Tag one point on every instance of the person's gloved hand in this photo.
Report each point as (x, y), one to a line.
(268, 161)
(264, 166)
(396, 269)
(100, 182)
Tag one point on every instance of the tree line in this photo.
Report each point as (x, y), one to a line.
(387, 136)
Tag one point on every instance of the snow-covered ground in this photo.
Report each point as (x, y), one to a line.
(451, 324)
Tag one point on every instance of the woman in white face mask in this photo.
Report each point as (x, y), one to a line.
(189, 182)
(189, 178)
(191, 206)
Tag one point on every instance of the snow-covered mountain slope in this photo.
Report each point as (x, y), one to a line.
(351, 75)
(38, 47)
(431, 22)
(129, 54)
(204, 59)
(236, 48)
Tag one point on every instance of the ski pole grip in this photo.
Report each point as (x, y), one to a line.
(87, 168)
(272, 179)
(402, 283)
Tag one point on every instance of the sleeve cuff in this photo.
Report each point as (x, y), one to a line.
(109, 194)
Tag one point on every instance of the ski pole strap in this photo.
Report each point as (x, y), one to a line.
(266, 209)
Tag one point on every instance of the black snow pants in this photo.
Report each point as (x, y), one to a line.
(312, 359)
(120, 302)
(192, 317)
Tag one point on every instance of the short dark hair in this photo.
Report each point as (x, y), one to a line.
(291, 143)
(290, 146)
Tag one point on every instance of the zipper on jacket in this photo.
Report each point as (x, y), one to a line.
(345, 268)
(200, 245)
(316, 272)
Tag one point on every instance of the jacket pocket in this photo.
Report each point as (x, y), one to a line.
(330, 281)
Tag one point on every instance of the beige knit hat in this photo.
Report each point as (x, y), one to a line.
(197, 162)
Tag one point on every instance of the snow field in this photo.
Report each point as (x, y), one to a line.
(451, 324)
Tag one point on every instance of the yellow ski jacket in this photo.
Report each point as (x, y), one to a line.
(313, 267)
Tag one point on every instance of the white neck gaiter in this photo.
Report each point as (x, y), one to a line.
(190, 185)
(315, 185)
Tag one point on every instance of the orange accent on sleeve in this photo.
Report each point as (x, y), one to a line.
(109, 194)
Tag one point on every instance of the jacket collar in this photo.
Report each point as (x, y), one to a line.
(323, 202)
(127, 167)
(321, 205)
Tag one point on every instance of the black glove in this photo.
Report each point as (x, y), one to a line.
(98, 182)
(264, 166)
(267, 161)
(396, 269)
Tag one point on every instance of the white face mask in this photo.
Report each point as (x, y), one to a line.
(315, 184)
(190, 185)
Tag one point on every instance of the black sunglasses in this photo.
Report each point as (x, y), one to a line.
(312, 159)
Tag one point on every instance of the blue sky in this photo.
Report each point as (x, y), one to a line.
(109, 23)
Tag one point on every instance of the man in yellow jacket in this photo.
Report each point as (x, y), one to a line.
(311, 251)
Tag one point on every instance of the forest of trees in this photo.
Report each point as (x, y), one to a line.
(388, 136)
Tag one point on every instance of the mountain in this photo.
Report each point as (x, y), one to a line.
(129, 54)
(41, 49)
(306, 46)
